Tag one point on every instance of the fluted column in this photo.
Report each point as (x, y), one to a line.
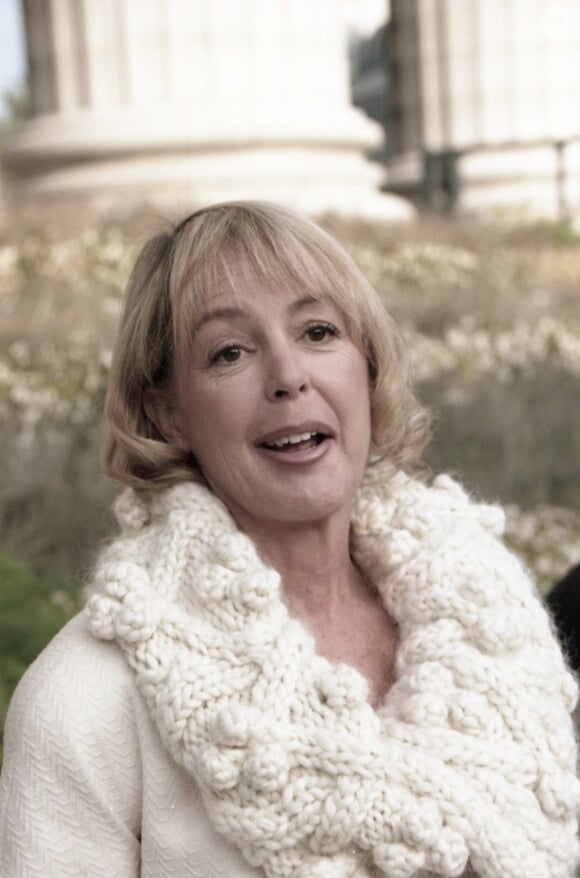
(199, 98)
(493, 84)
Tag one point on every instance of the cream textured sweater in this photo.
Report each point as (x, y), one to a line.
(87, 789)
(468, 764)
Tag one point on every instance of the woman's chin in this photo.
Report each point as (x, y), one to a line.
(304, 508)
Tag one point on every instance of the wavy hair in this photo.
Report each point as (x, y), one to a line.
(171, 282)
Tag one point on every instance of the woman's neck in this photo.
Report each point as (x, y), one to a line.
(323, 589)
(313, 561)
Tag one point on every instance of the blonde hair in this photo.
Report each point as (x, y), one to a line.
(170, 283)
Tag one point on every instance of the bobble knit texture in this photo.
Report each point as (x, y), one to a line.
(470, 759)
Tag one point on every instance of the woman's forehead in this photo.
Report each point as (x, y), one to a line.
(233, 276)
(233, 272)
(229, 275)
(252, 294)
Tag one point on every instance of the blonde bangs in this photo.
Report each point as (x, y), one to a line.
(172, 282)
(281, 250)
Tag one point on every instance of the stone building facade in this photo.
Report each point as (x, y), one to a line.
(191, 101)
(485, 98)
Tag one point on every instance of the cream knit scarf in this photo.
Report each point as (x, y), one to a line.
(471, 759)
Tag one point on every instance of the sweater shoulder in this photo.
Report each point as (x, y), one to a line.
(72, 747)
(88, 677)
(77, 703)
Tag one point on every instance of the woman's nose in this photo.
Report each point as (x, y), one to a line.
(286, 376)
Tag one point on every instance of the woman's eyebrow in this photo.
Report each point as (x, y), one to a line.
(232, 312)
(218, 314)
(304, 302)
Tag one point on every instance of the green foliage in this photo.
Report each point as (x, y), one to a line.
(33, 606)
(559, 233)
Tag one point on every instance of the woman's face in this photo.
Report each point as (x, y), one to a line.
(272, 398)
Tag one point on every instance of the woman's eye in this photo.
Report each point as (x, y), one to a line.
(321, 332)
(229, 354)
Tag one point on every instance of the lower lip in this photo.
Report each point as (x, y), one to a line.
(298, 455)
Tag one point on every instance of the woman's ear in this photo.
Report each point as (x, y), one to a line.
(162, 411)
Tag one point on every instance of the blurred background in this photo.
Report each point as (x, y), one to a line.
(439, 140)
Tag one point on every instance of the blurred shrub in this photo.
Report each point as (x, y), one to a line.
(492, 319)
(33, 606)
(514, 440)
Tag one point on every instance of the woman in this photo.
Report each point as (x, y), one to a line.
(304, 661)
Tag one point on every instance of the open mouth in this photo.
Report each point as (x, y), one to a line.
(295, 442)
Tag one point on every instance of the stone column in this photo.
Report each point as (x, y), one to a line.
(189, 101)
(486, 91)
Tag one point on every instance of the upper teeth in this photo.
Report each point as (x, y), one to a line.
(293, 439)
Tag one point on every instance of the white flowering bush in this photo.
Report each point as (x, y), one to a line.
(492, 322)
(420, 264)
(547, 538)
(466, 351)
(59, 305)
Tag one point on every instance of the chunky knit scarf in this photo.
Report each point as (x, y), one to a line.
(469, 763)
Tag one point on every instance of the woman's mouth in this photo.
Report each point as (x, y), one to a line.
(295, 442)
